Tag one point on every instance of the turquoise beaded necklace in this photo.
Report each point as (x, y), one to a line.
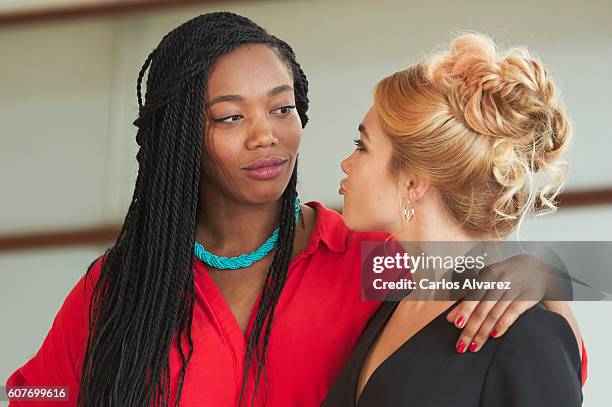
(244, 260)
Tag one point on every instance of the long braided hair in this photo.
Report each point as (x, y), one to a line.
(145, 292)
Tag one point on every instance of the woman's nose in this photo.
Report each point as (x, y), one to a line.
(344, 165)
(261, 135)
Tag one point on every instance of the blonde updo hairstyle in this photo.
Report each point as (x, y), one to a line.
(484, 128)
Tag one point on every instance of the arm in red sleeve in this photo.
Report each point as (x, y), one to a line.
(585, 362)
(59, 360)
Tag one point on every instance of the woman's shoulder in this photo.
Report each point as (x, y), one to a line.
(541, 323)
(58, 360)
(539, 336)
(536, 362)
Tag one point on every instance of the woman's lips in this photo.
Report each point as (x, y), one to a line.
(266, 173)
(341, 191)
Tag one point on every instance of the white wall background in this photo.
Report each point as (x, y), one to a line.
(67, 100)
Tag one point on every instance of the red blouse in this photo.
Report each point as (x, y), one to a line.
(318, 319)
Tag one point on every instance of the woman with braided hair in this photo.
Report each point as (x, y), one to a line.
(221, 288)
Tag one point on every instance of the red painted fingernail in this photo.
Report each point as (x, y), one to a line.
(473, 346)
(493, 333)
(459, 322)
(460, 347)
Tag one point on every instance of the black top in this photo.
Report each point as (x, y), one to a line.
(535, 363)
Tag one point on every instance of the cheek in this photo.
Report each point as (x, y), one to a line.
(221, 153)
(374, 202)
(381, 195)
(289, 133)
(227, 150)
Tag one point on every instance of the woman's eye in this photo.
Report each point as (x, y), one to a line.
(358, 145)
(284, 110)
(229, 119)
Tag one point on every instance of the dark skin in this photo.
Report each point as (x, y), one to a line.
(250, 114)
(242, 129)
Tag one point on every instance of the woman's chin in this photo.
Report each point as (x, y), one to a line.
(263, 194)
(264, 198)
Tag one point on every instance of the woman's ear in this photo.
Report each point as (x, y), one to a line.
(417, 188)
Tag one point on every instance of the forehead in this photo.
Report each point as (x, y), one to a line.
(372, 124)
(249, 69)
(370, 118)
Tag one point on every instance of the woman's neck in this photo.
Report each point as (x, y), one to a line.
(227, 227)
(434, 225)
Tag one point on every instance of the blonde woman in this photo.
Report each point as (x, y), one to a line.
(445, 154)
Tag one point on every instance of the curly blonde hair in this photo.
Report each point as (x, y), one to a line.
(486, 128)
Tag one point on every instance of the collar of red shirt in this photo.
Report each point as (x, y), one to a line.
(329, 229)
